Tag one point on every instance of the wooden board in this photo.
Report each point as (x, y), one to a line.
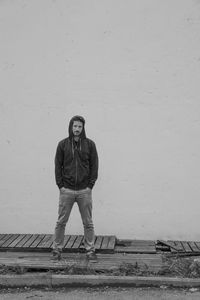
(105, 261)
(98, 242)
(186, 246)
(4, 238)
(135, 246)
(9, 240)
(194, 247)
(16, 241)
(28, 243)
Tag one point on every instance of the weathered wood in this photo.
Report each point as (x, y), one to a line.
(178, 246)
(17, 240)
(170, 244)
(23, 241)
(4, 239)
(37, 240)
(70, 242)
(186, 246)
(78, 242)
(30, 241)
(105, 261)
(111, 242)
(49, 244)
(2, 235)
(131, 249)
(198, 245)
(194, 247)
(66, 239)
(44, 241)
(104, 242)
(10, 240)
(98, 242)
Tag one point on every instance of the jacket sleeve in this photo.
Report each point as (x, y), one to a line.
(59, 165)
(94, 164)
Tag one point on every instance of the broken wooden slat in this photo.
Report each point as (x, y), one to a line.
(170, 244)
(10, 240)
(178, 246)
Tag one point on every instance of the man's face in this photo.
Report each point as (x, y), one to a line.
(77, 128)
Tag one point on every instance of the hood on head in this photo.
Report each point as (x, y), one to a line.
(77, 118)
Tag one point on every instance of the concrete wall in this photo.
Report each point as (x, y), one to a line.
(132, 69)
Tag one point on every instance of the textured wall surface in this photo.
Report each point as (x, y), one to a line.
(132, 69)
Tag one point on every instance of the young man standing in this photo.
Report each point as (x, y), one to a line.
(76, 170)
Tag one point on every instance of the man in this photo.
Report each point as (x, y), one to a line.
(76, 170)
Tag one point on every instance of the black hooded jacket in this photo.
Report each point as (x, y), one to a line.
(76, 164)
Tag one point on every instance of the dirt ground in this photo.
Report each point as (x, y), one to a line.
(103, 293)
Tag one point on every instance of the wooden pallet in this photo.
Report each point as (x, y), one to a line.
(44, 242)
(188, 247)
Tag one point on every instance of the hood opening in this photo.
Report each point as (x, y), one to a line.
(82, 120)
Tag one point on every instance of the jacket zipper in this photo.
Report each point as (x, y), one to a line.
(76, 174)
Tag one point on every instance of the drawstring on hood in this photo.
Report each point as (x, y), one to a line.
(71, 135)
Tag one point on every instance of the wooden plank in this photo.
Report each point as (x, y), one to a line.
(198, 245)
(186, 246)
(50, 242)
(10, 240)
(111, 242)
(37, 240)
(169, 244)
(104, 261)
(44, 241)
(98, 242)
(104, 242)
(194, 247)
(70, 242)
(78, 242)
(4, 239)
(23, 241)
(179, 246)
(66, 239)
(30, 241)
(17, 240)
(2, 235)
(121, 249)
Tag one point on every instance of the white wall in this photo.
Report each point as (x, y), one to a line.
(132, 69)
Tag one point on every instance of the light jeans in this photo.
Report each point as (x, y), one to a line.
(66, 201)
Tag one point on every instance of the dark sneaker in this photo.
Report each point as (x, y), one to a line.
(56, 255)
(91, 256)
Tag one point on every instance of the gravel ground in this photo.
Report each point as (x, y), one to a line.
(100, 293)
